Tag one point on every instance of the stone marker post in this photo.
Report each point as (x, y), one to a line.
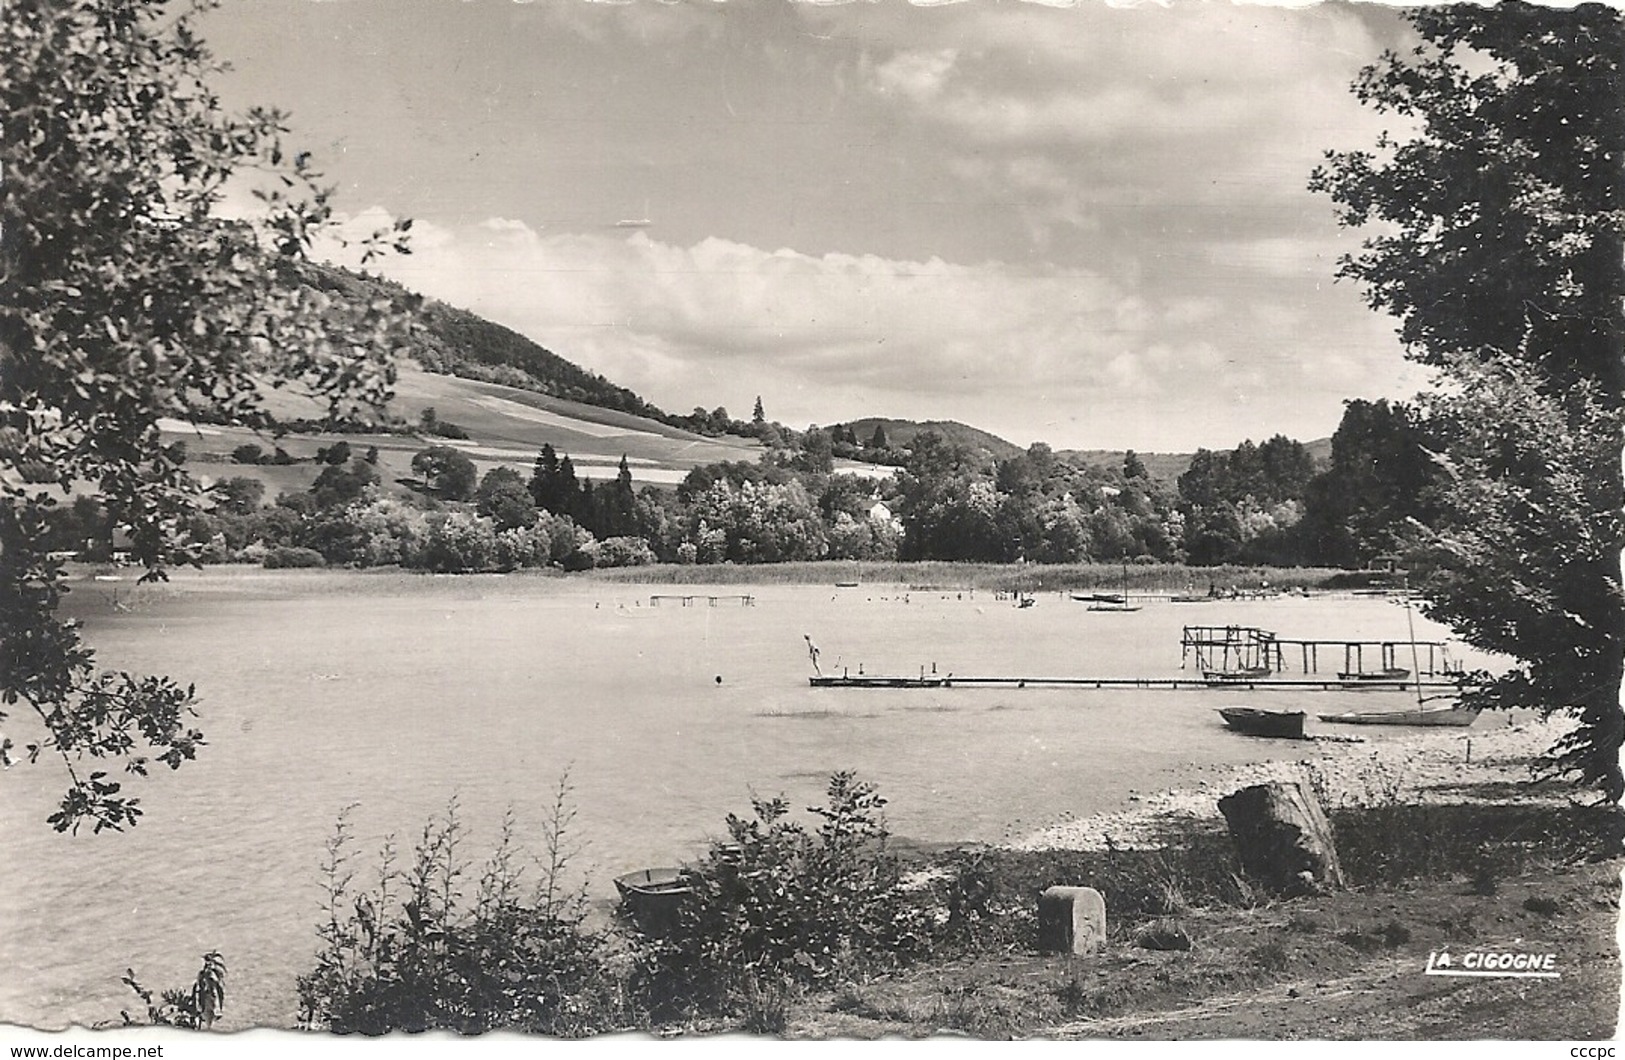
(1071, 920)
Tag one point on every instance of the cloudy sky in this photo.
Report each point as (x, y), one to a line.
(1084, 225)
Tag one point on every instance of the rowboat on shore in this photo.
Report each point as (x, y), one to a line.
(1446, 717)
(1251, 721)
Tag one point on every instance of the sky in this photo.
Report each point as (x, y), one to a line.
(1084, 225)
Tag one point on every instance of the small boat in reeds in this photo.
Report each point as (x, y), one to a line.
(1251, 721)
(1447, 717)
(651, 897)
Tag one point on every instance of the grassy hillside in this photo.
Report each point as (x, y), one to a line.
(505, 426)
(457, 342)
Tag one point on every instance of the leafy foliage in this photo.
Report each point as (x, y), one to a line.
(1502, 252)
(446, 472)
(123, 300)
(196, 1009)
(780, 904)
(416, 953)
(1381, 484)
(1527, 564)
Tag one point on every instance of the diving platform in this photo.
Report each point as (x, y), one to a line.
(1227, 648)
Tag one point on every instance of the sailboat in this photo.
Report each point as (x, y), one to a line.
(1115, 603)
(1423, 715)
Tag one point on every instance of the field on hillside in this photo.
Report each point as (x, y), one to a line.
(506, 426)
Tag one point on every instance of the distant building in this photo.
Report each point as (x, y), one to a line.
(880, 513)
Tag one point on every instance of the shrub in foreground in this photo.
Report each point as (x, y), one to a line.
(780, 907)
(416, 953)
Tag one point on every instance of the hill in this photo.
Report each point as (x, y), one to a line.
(899, 433)
(1167, 467)
(1162, 467)
(457, 342)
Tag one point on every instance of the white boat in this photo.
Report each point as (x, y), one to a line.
(1448, 717)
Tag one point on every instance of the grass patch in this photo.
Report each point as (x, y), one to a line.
(1391, 844)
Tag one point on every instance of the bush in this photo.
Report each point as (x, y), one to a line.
(624, 552)
(416, 954)
(779, 907)
(194, 1010)
(460, 542)
(283, 556)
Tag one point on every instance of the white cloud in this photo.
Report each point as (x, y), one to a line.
(918, 75)
(833, 336)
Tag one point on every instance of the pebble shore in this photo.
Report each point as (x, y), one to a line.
(1420, 766)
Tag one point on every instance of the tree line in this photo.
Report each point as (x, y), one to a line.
(1270, 503)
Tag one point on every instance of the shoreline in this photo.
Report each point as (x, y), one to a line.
(1430, 766)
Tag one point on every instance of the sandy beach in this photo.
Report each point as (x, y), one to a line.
(1424, 766)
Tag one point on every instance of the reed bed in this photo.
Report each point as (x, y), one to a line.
(997, 577)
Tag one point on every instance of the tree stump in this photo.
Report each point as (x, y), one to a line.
(1283, 838)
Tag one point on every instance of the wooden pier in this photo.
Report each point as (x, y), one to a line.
(711, 601)
(1167, 684)
(1221, 648)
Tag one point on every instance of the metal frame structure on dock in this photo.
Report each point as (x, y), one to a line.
(1223, 648)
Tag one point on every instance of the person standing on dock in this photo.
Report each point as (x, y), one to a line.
(812, 653)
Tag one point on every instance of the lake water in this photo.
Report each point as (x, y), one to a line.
(399, 692)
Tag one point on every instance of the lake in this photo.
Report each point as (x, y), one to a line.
(398, 692)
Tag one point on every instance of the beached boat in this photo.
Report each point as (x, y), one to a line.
(1100, 598)
(651, 897)
(1251, 721)
(1452, 717)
